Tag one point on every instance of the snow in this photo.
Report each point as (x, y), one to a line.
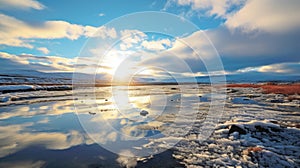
(22, 88)
(16, 88)
(20, 94)
(270, 149)
(271, 139)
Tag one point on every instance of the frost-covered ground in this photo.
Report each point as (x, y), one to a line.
(255, 131)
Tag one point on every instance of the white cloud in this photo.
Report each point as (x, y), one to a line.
(180, 59)
(185, 47)
(21, 4)
(101, 14)
(240, 50)
(207, 7)
(266, 15)
(249, 15)
(17, 33)
(39, 63)
(157, 45)
(130, 38)
(43, 50)
(291, 68)
(237, 50)
(102, 32)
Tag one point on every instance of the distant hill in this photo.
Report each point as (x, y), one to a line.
(32, 76)
(250, 77)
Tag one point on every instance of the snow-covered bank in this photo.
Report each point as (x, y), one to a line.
(33, 77)
(24, 88)
(12, 88)
(34, 97)
(22, 94)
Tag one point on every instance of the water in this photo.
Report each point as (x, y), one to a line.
(243, 100)
(108, 125)
(103, 127)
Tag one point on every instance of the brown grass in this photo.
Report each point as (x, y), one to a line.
(287, 89)
(293, 97)
(252, 149)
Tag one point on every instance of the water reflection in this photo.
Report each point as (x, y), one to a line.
(44, 108)
(39, 134)
(117, 114)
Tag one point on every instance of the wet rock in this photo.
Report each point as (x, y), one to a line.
(92, 113)
(232, 90)
(235, 128)
(275, 129)
(261, 129)
(253, 95)
(144, 113)
(276, 101)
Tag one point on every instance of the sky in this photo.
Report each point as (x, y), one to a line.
(233, 37)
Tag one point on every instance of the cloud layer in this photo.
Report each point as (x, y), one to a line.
(255, 35)
(23, 4)
(9, 62)
(267, 15)
(15, 32)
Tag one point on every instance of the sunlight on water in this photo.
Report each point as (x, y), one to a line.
(135, 119)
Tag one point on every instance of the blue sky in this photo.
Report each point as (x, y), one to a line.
(249, 35)
(94, 13)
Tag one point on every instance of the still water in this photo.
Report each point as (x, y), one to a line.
(103, 126)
